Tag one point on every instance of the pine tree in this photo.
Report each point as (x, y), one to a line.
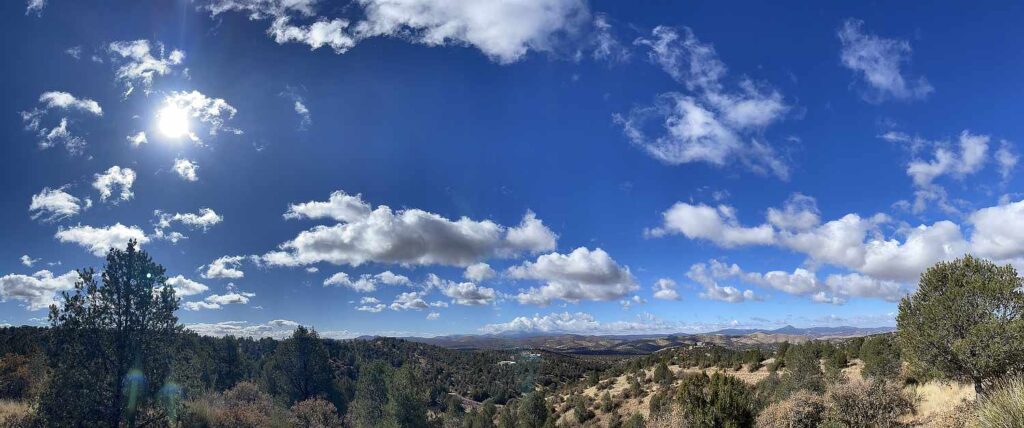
(966, 321)
(371, 397)
(111, 346)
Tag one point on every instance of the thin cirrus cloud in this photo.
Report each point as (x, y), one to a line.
(138, 62)
(708, 123)
(880, 64)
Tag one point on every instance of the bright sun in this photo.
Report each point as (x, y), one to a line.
(173, 121)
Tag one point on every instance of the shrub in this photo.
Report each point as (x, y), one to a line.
(635, 421)
(245, 405)
(15, 414)
(315, 413)
(862, 404)
(1003, 406)
(881, 357)
(716, 401)
(801, 410)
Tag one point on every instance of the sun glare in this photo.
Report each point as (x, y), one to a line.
(172, 121)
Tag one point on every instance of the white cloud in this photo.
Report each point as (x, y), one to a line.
(35, 6)
(98, 240)
(713, 125)
(1006, 159)
(409, 300)
(879, 61)
(214, 112)
(973, 153)
(479, 272)
(50, 136)
(138, 138)
(366, 282)
(38, 290)
(583, 274)
(372, 308)
(632, 301)
(606, 46)
(584, 323)
(463, 293)
(304, 115)
(137, 65)
(66, 101)
(835, 289)
(28, 261)
(186, 169)
(330, 33)
(665, 289)
(203, 219)
(225, 267)
(999, 231)
(503, 30)
(433, 316)
(716, 224)
(186, 287)
(277, 329)
(218, 301)
(800, 212)
(708, 276)
(408, 237)
(55, 204)
(115, 177)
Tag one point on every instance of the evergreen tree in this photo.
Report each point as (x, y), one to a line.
(299, 369)
(533, 410)
(881, 357)
(407, 400)
(966, 320)
(111, 346)
(371, 397)
(803, 370)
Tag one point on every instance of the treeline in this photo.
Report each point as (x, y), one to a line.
(115, 354)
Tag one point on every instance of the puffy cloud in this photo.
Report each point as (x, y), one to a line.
(213, 112)
(60, 134)
(408, 237)
(203, 219)
(479, 272)
(38, 290)
(186, 169)
(879, 61)
(28, 261)
(217, 301)
(800, 212)
(115, 177)
(410, 300)
(186, 287)
(973, 152)
(137, 65)
(138, 138)
(225, 267)
(665, 289)
(35, 6)
(999, 231)
(708, 278)
(366, 282)
(584, 323)
(371, 307)
(716, 224)
(433, 316)
(1006, 158)
(330, 33)
(340, 206)
(583, 274)
(632, 301)
(98, 240)
(277, 329)
(463, 293)
(712, 125)
(55, 204)
(504, 31)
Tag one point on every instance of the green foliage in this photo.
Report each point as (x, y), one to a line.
(243, 406)
(298, 369)
(111, 346)
(581, 408)
(22, 377)
(966, 320)
(635, 421)
(881, 357)
(660, 402)
(368, 407)
(607, 405)
(482, 416)
(407, 400)
(1003, 406)
(803, 370)
(719, 401)
(662, 375)
(533, 411)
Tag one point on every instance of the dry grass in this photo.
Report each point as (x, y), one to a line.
(13, 412)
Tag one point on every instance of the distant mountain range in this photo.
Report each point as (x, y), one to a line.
(646, 343)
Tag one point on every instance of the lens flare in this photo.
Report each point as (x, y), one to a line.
(172, 121)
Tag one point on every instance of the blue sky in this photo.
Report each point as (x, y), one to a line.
(425, 167)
